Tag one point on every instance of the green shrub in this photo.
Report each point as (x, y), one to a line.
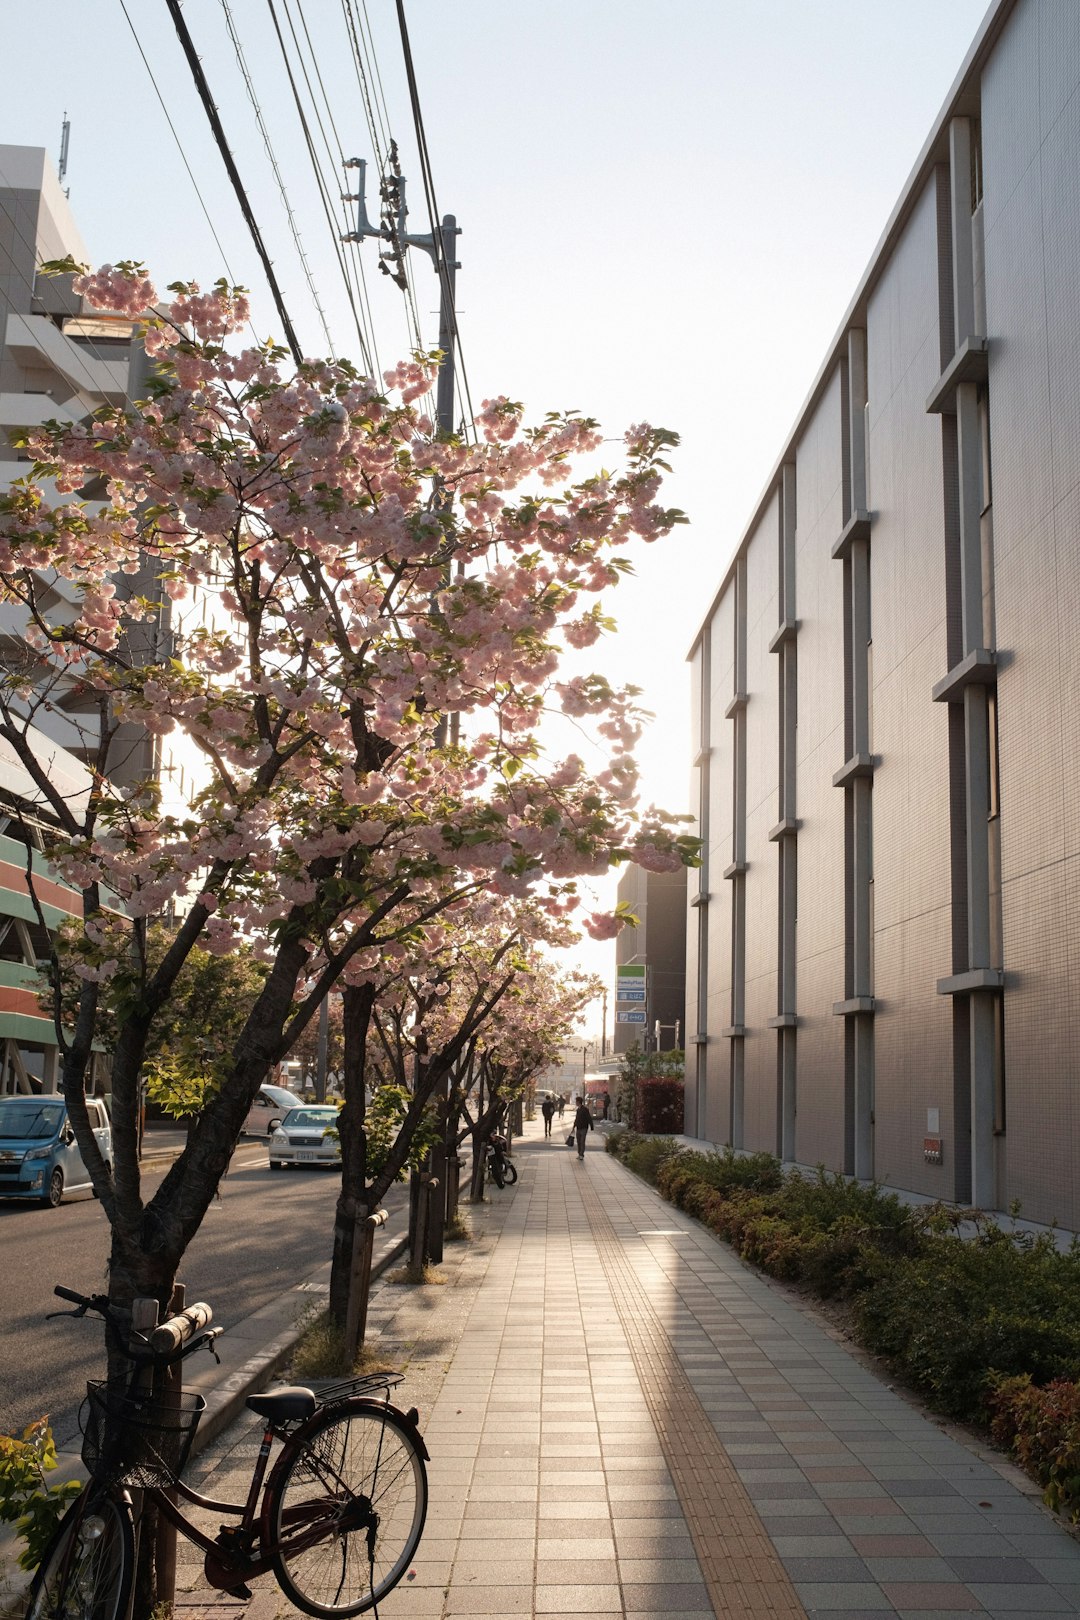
(658, 1104)
(648, 1153)
(760, 1172)
(1041, 1427)
(26, 1501)
(961, 1312)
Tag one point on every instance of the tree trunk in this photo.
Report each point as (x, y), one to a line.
(357, 1003)
(476, 1189)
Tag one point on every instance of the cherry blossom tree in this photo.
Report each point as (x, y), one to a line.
(370, 587)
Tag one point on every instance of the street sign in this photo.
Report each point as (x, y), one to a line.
(630, 1017)
(629, 995)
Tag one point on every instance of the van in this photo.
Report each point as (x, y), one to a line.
(39, 1156)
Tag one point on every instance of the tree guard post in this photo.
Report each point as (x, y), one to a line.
(165, 1550)
(453, 1185)
(360, 1280)
(144, 1319)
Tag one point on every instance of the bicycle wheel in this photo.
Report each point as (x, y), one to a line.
(495, 1170)
(87, 1570)
(509, 1171)
(360, 1477)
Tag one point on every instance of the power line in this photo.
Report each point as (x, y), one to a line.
(320, 182)
(380, 138)
(242, 63)
(358, 263)
(179, 144)
(223, 147)
(432, 206)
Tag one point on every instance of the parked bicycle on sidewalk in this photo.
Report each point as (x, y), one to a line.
(500, 1166)
(340, 1516)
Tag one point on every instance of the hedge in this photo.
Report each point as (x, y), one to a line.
(986, 1328)
(658, 1104)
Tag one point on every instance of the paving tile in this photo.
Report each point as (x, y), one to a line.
(902, 1568)
(803, 1546)
(844, 1570)
(473, 1600)
(1013, 1571)
(858, 1595)
(575, 1599)
(683, 1599)
(923, 1595)
(634, 1571)
(1021, 1596)
(573, 1571)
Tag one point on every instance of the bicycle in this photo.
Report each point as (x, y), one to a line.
(340, 1517)
(501, 1167)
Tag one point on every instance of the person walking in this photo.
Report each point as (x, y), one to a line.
(582, 1126)
(547, 1108)
(562, 1104)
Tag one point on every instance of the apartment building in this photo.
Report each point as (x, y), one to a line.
(650, 1009)
(884, 941)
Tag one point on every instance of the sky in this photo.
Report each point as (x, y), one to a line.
(665, 210)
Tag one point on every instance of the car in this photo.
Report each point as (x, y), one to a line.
(39, 1157)
(307, 1135)
(269, 1108)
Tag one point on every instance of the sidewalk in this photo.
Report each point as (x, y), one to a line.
(625, 1421)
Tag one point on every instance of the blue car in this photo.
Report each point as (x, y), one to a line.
(39, 1157)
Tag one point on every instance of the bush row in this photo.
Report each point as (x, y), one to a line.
(985, 1326)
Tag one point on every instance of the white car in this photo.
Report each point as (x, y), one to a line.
(307, 1135)
(269, 1108)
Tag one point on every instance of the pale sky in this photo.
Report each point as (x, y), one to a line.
(665, 210)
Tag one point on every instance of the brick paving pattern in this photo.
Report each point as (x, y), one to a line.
(626, 1422)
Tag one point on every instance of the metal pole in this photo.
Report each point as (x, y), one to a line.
(324, 1049)
(603, 1028)
(444, 393)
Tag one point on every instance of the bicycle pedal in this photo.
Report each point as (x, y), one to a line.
(240, 1591)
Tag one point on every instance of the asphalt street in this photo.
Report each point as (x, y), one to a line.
(265, 1233)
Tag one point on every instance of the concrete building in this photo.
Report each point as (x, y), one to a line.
(28, 1043)
(658, 943)
(61, 360)
(884, 940)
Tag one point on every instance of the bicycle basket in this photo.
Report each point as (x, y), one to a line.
(138, 1439)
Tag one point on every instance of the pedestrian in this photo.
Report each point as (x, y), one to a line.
(562, 1104)
(605, 1098)
(582, 1126)
(547, 1108)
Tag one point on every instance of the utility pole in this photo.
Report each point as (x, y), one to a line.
(441, 248)
(603, 1027)
(392, 231)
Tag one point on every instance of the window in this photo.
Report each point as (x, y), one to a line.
(994, 797)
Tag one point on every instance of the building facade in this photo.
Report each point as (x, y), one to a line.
(658, 943)
(884, 939)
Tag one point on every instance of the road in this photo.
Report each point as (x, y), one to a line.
(265, 1233)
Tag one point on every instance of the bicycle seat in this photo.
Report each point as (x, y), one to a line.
(291, 1401)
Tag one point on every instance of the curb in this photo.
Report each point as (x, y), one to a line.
(226, 1399)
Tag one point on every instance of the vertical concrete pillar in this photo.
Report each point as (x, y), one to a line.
(864, 1097)
(963, 259)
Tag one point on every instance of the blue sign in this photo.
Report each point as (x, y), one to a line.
(630, 995)
(629, 1017)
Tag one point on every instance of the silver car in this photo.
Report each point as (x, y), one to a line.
(306, 1135)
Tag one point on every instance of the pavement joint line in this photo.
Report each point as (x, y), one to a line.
(725, 1527)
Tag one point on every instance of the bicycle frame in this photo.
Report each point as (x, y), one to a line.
(225, 1567)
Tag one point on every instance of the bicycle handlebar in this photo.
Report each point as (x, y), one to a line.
(173, 1340)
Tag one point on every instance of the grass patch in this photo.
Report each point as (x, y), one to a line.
(320, 1353)
(426, 1275)
(458, 1228)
